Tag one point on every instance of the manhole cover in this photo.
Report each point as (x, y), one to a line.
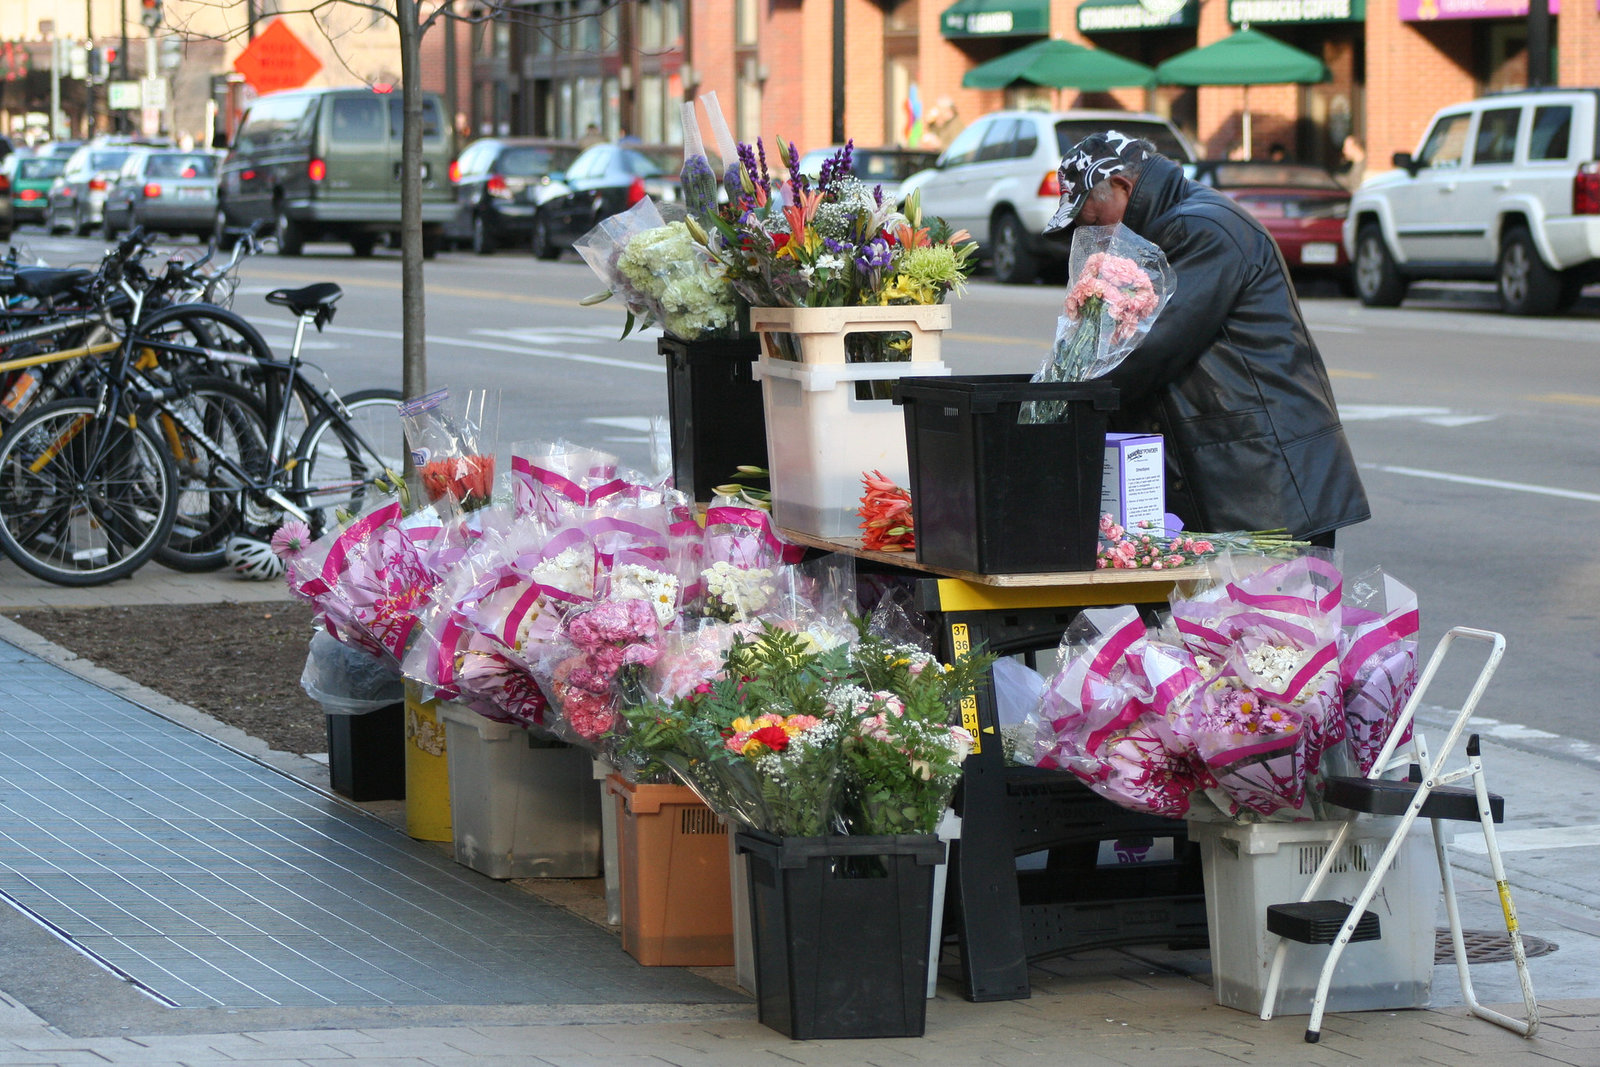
(1487, 946)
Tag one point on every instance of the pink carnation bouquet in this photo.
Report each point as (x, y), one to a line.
(1120, 284)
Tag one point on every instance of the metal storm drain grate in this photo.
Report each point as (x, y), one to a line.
(1487, 946)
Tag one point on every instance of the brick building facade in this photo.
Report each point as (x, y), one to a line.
(1391, 64)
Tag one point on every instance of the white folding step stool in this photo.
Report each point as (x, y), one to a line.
(1430, 794)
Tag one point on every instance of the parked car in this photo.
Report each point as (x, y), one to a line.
(603, 180)
(77, 197)
(886, 167)
(165, 192)
(1303, 206)
(58, 149)
(500, 182)
(998, 181)
(8, 212)
(324, 164)
(31, 178)
(1503, 188)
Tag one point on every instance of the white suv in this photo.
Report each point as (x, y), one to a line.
(997, 180)
(1506, 188)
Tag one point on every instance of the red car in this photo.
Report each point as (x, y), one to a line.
(1301, 205)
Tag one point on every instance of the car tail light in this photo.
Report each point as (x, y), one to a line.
(455, 171)
(97, 185)
(496, 187)
(636, 191)
(1586, 190)
(316, 170)
(1051, 186)
(151, 190)
(29, 194)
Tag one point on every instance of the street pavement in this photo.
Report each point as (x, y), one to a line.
(1137, 1006)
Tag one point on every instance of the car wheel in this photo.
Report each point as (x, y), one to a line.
(1013, 263)
(482, 238)
(544, 246)
(362, 244)
(107, 229)
(80, 225)
(432, 242)
(1526, 285)
(1378, 280)
(291, 239)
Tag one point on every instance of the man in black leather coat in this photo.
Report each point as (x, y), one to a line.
(1228, 373)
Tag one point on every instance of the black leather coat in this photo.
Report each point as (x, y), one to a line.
(1229, 374)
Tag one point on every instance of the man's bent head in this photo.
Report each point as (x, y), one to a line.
(1093, 161)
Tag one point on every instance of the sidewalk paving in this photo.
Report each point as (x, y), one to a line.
(1134, 1007)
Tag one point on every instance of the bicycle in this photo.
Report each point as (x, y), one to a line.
(89, 492)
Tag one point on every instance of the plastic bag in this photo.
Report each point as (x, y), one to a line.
(602, 249)
(346, 680)
(727, 148)
(448, 452)
(1018, 693)
(1120, 284)
(698, 180)
(555, 480)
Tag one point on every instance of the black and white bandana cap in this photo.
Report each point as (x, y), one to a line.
(1091, 161)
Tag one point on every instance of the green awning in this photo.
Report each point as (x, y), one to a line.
(1247, 57)
(1110, 16)
(1264, 12)
(996, 18)
(1060, 65)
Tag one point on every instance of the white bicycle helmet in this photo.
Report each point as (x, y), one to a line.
(253, 559)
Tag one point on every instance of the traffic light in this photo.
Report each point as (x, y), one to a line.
(108, 59)
(151, 15)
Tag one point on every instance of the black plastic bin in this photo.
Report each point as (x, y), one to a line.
(367, 754)
(714, 405)
(995, 496)
(841, 928)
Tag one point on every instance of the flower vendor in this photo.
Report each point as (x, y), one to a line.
(1229, 373)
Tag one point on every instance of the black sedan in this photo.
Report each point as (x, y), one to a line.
(605, 179)
(500, 182)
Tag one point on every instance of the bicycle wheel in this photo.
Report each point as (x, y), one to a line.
(334, 465)
(84, 499)
(210, 341)
(211, 502)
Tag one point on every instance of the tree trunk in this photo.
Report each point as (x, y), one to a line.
(413, 317)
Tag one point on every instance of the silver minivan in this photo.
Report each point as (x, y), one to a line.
(997, 180)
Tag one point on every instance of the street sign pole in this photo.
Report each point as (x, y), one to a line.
(151, 117)
(55, 88)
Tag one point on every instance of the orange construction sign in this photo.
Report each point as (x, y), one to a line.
(276, 60)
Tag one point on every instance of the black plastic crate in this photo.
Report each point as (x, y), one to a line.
(992, 495)
(714, 406)
(841, 928)
(367, 754)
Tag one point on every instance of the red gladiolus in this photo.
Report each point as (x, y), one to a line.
(469, 479)
(885, 516)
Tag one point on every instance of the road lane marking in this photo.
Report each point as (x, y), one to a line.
(431, 289)
(1569, 398)
(1350, 374)
(1529, 840)
(1486, 483)
(655, 367)
(1431, 415)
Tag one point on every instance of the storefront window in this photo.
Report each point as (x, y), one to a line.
(671, 23)
(651, 102)
(747, 124)
(650, 25)
(609, 26)
(589, 27)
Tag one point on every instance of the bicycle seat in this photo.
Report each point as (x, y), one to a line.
(46, 282)
(304, 301)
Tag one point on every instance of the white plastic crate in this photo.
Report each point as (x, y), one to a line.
(519, 807)
(817, 335)
(821, 439)
(1248, 868)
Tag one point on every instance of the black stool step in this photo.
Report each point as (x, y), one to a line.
(1317, 922)
(1381, 797)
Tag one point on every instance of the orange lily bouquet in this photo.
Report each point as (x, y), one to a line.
(829, 242)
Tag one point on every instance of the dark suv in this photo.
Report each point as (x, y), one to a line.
(500, 182)
(324, 164)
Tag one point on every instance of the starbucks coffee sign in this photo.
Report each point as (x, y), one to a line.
(1241, 12)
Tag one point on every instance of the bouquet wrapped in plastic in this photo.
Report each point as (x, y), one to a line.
(600, 664)
(1378, 662)
(1106, 713)
(555, 480)
(448, 452)
(1120, 283)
